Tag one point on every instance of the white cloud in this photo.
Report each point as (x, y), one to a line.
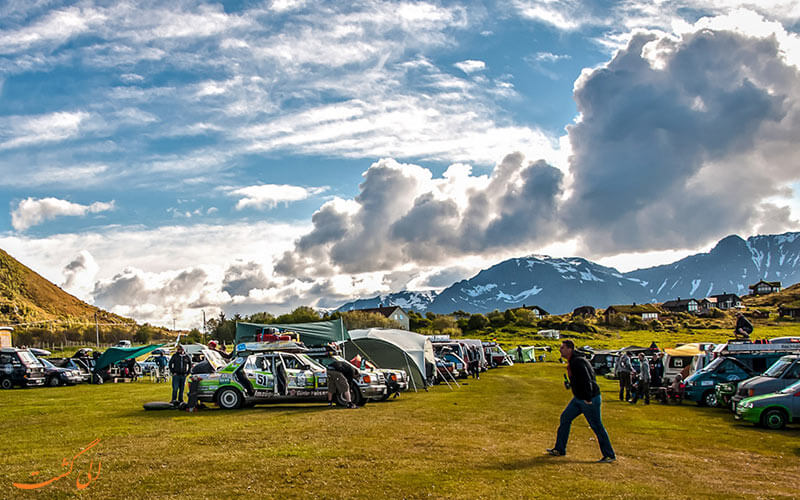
(269, 195)
(18, 131)
(31, 212)
(72, 176)
(56, 27)
(470, 66)
(79, 274)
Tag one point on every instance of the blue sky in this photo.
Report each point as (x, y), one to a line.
(163, 158)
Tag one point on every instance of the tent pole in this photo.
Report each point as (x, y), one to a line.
(411, 375)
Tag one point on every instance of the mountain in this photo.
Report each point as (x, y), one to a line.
(560, 284)
(416, 301)
(26, 297)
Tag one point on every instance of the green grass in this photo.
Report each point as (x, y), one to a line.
(484, 440)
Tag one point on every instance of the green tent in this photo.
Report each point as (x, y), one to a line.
(311, 334)
(528, 354)
(114, 354)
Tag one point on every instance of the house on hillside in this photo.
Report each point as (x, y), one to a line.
(537, 311)
(727, 301)
(681, 305)
(765, 287)
(585, 311)
(395, 313)
(790, 310)
(647, 312)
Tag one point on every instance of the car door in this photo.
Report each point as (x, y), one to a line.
(295, 377)
(261, 373)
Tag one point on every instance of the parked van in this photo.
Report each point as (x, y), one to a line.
(686, 359)
(783, 373)
(19, 367)
(700, 387)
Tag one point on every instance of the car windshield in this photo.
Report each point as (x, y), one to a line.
(778, 367)
(29, 359)
(310, 362)
(46, 363)
(713, 365)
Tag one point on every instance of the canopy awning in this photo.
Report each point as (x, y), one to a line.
(312, 334)
(114, 354)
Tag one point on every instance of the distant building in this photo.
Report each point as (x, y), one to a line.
(765, 287)
(537, 311)
(791, 310)
(647, 312)
(727, 301)
(681, 305)
(585, 311)
(395, 313)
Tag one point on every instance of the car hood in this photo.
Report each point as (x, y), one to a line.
(772, 397)
(754, 381)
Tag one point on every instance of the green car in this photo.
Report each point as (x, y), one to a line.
(266, 377)
(773, 410)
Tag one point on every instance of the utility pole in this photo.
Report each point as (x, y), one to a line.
(204, 326)
(97, 329)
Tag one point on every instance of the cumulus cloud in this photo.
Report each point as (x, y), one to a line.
(680, 140)
(80, 273)
(31, 212)
(269, 195)
(403, 214)
(240, 278)
(470, 66)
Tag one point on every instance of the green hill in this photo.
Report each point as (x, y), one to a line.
(26, 297)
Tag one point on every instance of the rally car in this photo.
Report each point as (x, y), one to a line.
(773, 410)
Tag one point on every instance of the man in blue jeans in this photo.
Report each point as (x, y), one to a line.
(180, 364)
(586, 400)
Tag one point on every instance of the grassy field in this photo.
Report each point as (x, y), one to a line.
(483, 440)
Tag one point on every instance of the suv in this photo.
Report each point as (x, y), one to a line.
(773, 410)
(784, 372)
(19, 367)
(700, 386)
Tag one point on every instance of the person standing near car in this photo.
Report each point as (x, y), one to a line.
(644, 381)
(623, 369)
(341, 376)
(180, 364)
(586, 400)
(743, 327)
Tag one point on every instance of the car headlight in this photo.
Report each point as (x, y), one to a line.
(748, 404)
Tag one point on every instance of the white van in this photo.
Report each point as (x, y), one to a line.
(694, 356)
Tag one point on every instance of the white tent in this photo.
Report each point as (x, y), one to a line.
(417, 347)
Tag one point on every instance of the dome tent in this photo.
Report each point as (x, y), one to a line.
(397, 349)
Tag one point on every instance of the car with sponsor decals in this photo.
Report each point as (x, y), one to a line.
(773, 410)
(265, 373)
(20, 367)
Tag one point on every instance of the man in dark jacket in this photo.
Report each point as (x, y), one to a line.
(586, 400)
(341, 377)
(743, 327)
(180, 364)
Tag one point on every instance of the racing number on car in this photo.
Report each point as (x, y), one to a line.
(262, 379)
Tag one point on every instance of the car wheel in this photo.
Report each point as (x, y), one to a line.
(774, 419)
(6, 383)
(229, 398)
(710, 399)
(54, 381)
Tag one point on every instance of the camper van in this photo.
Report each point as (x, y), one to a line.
(686, 359)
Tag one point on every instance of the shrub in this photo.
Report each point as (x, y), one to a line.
(477, 322)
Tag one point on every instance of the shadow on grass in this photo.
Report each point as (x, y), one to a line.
(214, 411)
(537, 461)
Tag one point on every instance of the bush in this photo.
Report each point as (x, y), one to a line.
(477, 322)
(445, 325)
(354, 320)
(525, 317)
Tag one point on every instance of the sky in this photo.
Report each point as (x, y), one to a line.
(168, 159)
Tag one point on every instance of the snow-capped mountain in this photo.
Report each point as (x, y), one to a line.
(416, 301)
(560, 284)
(551, 283)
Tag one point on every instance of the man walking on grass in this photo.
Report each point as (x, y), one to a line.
(586, 400)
